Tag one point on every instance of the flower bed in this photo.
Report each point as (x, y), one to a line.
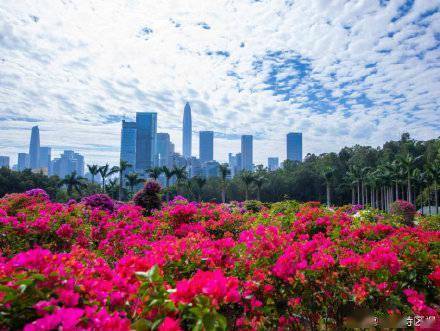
(207, 266)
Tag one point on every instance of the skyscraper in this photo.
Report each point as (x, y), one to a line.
(128, 144)
(294, 146)
(206, 146)
(4, 161)
(246, 152)
(146, 125)
(45, 158)
(23, 161)
(163, 149)
(273, 163)
(67, 163)
(187, 131)
(34, 148)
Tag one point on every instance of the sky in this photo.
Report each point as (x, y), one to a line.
(341, 72)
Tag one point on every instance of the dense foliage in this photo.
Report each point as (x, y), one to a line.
(208, 266)
(406, 169)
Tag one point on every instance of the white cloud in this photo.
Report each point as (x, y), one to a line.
(75, 68)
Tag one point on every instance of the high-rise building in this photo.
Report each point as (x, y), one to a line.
(146, 125)
(294, 146)
(67, 163)
(246, 152)
(34, 148)
(187, 131)
(194, 167)
(211, 169)
(128, 144)
(163, 149)
(273, 163)
(23, 161)
(206, 147)
(4, 161)
(45, 158)
(238, 166)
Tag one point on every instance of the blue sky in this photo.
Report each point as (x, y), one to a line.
(342, 72)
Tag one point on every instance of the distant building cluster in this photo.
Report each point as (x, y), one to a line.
(144, 148)
(39, 159)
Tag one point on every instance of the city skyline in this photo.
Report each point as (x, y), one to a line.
(333, 76)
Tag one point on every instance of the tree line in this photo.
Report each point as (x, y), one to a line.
(406, 169)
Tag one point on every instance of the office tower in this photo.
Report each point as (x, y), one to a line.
(194, 167)
(79, 164)
(34, 148)
(146, 125)
(128, 144)
(294, 146)
(163, 149)
(187, 131)
(206, 147)
(238, 166)
(23, 161)
(45, 158)
(4, 161)
(211, 169)
(273, 163)
(67, 163)
(246, 152)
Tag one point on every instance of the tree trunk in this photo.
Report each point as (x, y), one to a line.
(352, 196)
(376, 198)
(121, 192)
(358, 194)
(328, 194)
(436, 197)
(168, 189)
(397, 191)
(246, 193)
(429, 200)
(223, 195)
(409, 189)
(258, 194)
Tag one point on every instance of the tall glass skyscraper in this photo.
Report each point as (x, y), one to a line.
(45, 158)
(163, 149)
(294, 146)
(23, 161)
(246, 152)
(34, 148)
(187, 132)
(146, 125)
(128, 144)
(206, 146)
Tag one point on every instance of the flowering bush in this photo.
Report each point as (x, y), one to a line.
(148, 198)
(404, 209)
(207, 266)
(100, 201)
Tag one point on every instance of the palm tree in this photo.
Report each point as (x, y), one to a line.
(94, 170)
(154, 173)
(259, 181)
(247, 178)
(72, 181)
(199, 182)
(112, 188)
(433, 169)
(181, 175)
(408, 163)
(169, 173)
(123, 166)
(224, 172)
(132, 180)
(328, 173)
(106, 171)
(352, 180)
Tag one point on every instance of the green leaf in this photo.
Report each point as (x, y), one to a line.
(141, 325)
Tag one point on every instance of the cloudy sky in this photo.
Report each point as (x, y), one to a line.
(342, 72)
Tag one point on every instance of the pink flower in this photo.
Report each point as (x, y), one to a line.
(65, 231)
(170, 324)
